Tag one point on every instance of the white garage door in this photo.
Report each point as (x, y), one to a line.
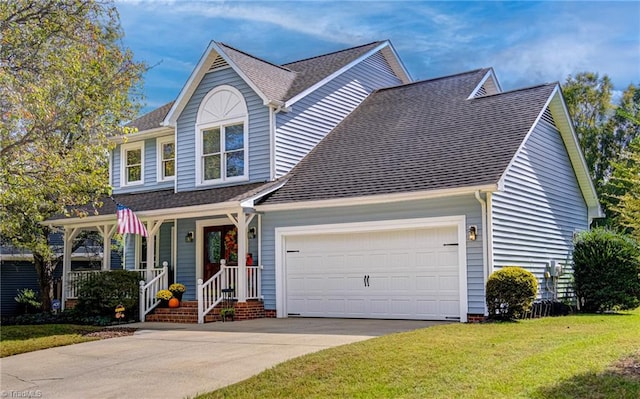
(395, 274)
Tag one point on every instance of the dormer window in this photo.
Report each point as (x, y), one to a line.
(166, 159)
(132, 167)
(222, 137)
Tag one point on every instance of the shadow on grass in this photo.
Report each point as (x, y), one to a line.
(609, 384)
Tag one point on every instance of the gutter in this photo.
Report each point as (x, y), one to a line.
(485, 235)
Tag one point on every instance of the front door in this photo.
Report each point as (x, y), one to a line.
(220, 242)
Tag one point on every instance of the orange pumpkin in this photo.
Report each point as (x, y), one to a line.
(174, 303)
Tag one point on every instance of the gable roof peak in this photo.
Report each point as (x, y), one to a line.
(221, 44)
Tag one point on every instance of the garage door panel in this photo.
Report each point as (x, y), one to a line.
(411, 274)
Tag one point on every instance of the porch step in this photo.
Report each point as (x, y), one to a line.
(186, 313)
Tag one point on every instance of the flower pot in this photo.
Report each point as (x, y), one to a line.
(177, 295)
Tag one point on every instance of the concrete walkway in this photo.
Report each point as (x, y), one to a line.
(163, 360)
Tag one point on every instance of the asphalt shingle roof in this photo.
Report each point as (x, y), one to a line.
(280, 83)
(312, 70)
(416, 137)
(166, 199)
(151, 120)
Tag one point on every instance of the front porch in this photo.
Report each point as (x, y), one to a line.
(210, 295)
(208, 247)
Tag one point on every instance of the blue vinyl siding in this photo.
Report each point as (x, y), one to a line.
(534, 218)
(17, 275)
(164, 250)
(314, 116)
(130, 252)
(150, 170)
(185, 270)
(259, 143)
(461, 205)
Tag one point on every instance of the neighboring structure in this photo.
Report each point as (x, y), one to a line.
(18, 272)
(340, 188)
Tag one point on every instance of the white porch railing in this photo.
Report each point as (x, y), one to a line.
(74, 279)
(209, 293)
(148, 291)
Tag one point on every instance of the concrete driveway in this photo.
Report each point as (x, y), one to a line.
(163, 360)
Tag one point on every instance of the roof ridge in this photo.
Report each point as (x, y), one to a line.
(432, 79)
(256, 58)
(517, 90)
(333, 52)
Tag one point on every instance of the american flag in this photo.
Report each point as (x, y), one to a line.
(128, 222)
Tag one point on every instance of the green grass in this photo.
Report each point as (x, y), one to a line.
(560, 357)
(21, 339)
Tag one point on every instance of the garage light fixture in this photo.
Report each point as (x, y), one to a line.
(473, 232)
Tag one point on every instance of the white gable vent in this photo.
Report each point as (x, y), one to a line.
(482, 91)
(218, 63)
(547, 117)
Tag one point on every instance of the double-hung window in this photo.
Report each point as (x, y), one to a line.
(166, 159)
(221, 139)
(132, 165)
(223, 152)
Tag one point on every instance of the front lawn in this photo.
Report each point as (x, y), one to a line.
(582, 356)
(28, 338)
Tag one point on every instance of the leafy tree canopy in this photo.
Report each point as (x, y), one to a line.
(604, 130)
(66, 84)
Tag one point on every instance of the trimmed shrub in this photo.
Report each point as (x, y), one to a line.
(100, 295)
(510, 292)
(605, 269)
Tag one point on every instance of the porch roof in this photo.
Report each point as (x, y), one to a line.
(169, 199)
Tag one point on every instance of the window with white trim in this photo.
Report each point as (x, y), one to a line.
(132, 164)
(166, 159)
(222, 137)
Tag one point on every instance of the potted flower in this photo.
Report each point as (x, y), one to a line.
(227, 313)
(177, 290)
(164, 296)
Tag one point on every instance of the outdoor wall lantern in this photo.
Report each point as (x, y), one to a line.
(252, 233)
(189, 237)
(473, 232)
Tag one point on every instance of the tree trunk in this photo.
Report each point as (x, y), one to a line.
(44, 269)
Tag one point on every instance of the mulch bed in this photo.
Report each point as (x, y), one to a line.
(112, 332)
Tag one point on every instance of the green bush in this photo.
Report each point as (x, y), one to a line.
(100, 295)
(605, 268)
(510, 292)
(28, 300)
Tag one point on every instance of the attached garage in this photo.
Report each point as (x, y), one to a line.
(386, 270)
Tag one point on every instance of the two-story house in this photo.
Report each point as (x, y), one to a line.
(335, 186)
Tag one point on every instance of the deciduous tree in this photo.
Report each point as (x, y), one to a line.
(66, 84)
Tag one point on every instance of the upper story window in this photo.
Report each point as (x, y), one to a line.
(221, 137)
(166, 159)
(132, 167)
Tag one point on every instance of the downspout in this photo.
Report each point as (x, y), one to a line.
(485, 234)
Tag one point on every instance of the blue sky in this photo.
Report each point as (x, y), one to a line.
(526, 42)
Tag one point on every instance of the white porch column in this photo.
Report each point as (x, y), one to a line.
(106, 231)
(152, 228)
(69, 236)
(242, 257)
